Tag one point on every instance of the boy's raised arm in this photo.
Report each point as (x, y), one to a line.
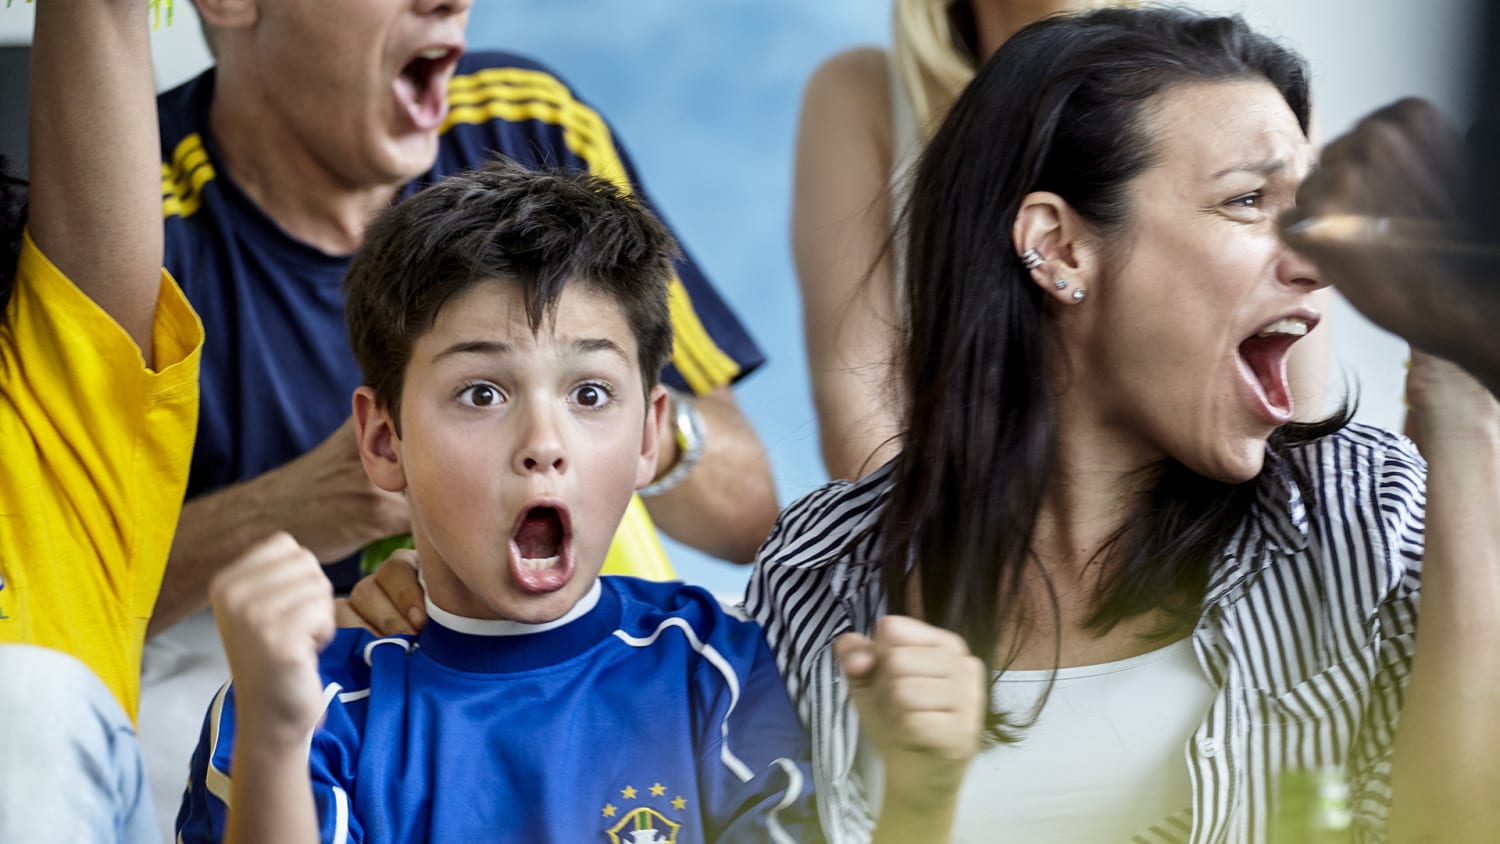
(274, 608)
(95, 203)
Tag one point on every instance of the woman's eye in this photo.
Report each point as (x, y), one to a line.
(480, 395)
(591, 395)
(1249, 200)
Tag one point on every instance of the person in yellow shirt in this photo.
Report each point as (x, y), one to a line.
(98, 405)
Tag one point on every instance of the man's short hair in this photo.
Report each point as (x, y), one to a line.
(540, 229)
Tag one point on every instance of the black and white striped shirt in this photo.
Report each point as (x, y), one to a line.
(1306, 631)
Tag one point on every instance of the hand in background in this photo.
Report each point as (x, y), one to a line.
(274, 608)
(388, 602)
(1386, 218)
(920, 694)
(1449, 408)
(326, 501)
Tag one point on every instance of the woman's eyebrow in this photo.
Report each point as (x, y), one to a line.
(1268, 167)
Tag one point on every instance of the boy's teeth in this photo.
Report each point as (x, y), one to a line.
(435, 53)
(1285, 326)
(539, 563)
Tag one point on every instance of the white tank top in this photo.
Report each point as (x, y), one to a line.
(1104, 761)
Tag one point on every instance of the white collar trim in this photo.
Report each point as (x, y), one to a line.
(505, 627)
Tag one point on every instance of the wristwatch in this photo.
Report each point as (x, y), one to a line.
(687, 422)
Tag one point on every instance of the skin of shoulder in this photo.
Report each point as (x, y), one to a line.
(840, 225)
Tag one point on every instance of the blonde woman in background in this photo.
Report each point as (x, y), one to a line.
(866, 113)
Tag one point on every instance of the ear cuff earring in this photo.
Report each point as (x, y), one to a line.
(1061, 284)
(1032, 259)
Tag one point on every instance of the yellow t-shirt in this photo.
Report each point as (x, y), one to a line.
(95, 449)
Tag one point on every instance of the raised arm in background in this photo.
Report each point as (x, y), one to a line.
(841, 216)
(95, 205)
(1446, 765)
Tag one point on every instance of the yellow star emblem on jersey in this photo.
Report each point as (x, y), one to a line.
(679, 804)
(628, 792)
(658, 790)
(609, 810)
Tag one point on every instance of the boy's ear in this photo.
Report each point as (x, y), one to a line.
(228, 14)
(379, 446)
(1068, 259)
(656, 410)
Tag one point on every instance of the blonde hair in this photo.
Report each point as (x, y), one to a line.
(931, 63)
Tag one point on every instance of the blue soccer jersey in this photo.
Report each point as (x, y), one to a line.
(654, 717)
(277, 372)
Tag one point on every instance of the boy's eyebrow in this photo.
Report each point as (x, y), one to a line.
(474, 347)
(600, 344)
(497, 348)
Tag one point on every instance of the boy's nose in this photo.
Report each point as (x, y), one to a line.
(542, 449)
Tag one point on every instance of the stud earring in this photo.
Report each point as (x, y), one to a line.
(1032, 259)
(1079, 294)
(1061, 284)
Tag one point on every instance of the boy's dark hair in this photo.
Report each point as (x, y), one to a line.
(542, 229)
(12, 201)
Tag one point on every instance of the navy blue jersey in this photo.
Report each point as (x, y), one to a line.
(277, 373)
(653, 717)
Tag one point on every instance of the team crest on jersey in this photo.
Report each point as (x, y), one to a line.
(642, 816)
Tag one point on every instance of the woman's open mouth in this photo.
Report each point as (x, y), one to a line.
(1262, 358)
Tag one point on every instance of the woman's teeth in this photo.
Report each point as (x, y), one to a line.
(1295, 327)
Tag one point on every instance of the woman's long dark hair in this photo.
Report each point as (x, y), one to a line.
(1059, 108)
(12, 200)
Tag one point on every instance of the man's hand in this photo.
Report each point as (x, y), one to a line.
(326, 501)
(1386, 217)
(920, 694)
(388, 602)
(323, 499)
(274, 608)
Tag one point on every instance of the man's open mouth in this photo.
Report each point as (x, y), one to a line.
(422, 85)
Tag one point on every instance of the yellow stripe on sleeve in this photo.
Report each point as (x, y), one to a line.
(183, 179)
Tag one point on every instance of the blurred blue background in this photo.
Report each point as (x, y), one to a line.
(705, 96)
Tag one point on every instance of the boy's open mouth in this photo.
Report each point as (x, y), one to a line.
(541, 550)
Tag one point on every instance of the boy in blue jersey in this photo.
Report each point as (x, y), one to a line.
(510, 326)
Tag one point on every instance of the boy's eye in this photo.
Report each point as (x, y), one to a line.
(591, 395)
(480, 395)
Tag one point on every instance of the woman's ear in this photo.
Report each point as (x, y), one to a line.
(1051, 241)
(379, 444)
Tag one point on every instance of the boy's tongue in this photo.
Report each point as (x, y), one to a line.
(540, 534)
(539, 565)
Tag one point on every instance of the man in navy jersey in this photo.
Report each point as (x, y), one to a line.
(509, 325)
